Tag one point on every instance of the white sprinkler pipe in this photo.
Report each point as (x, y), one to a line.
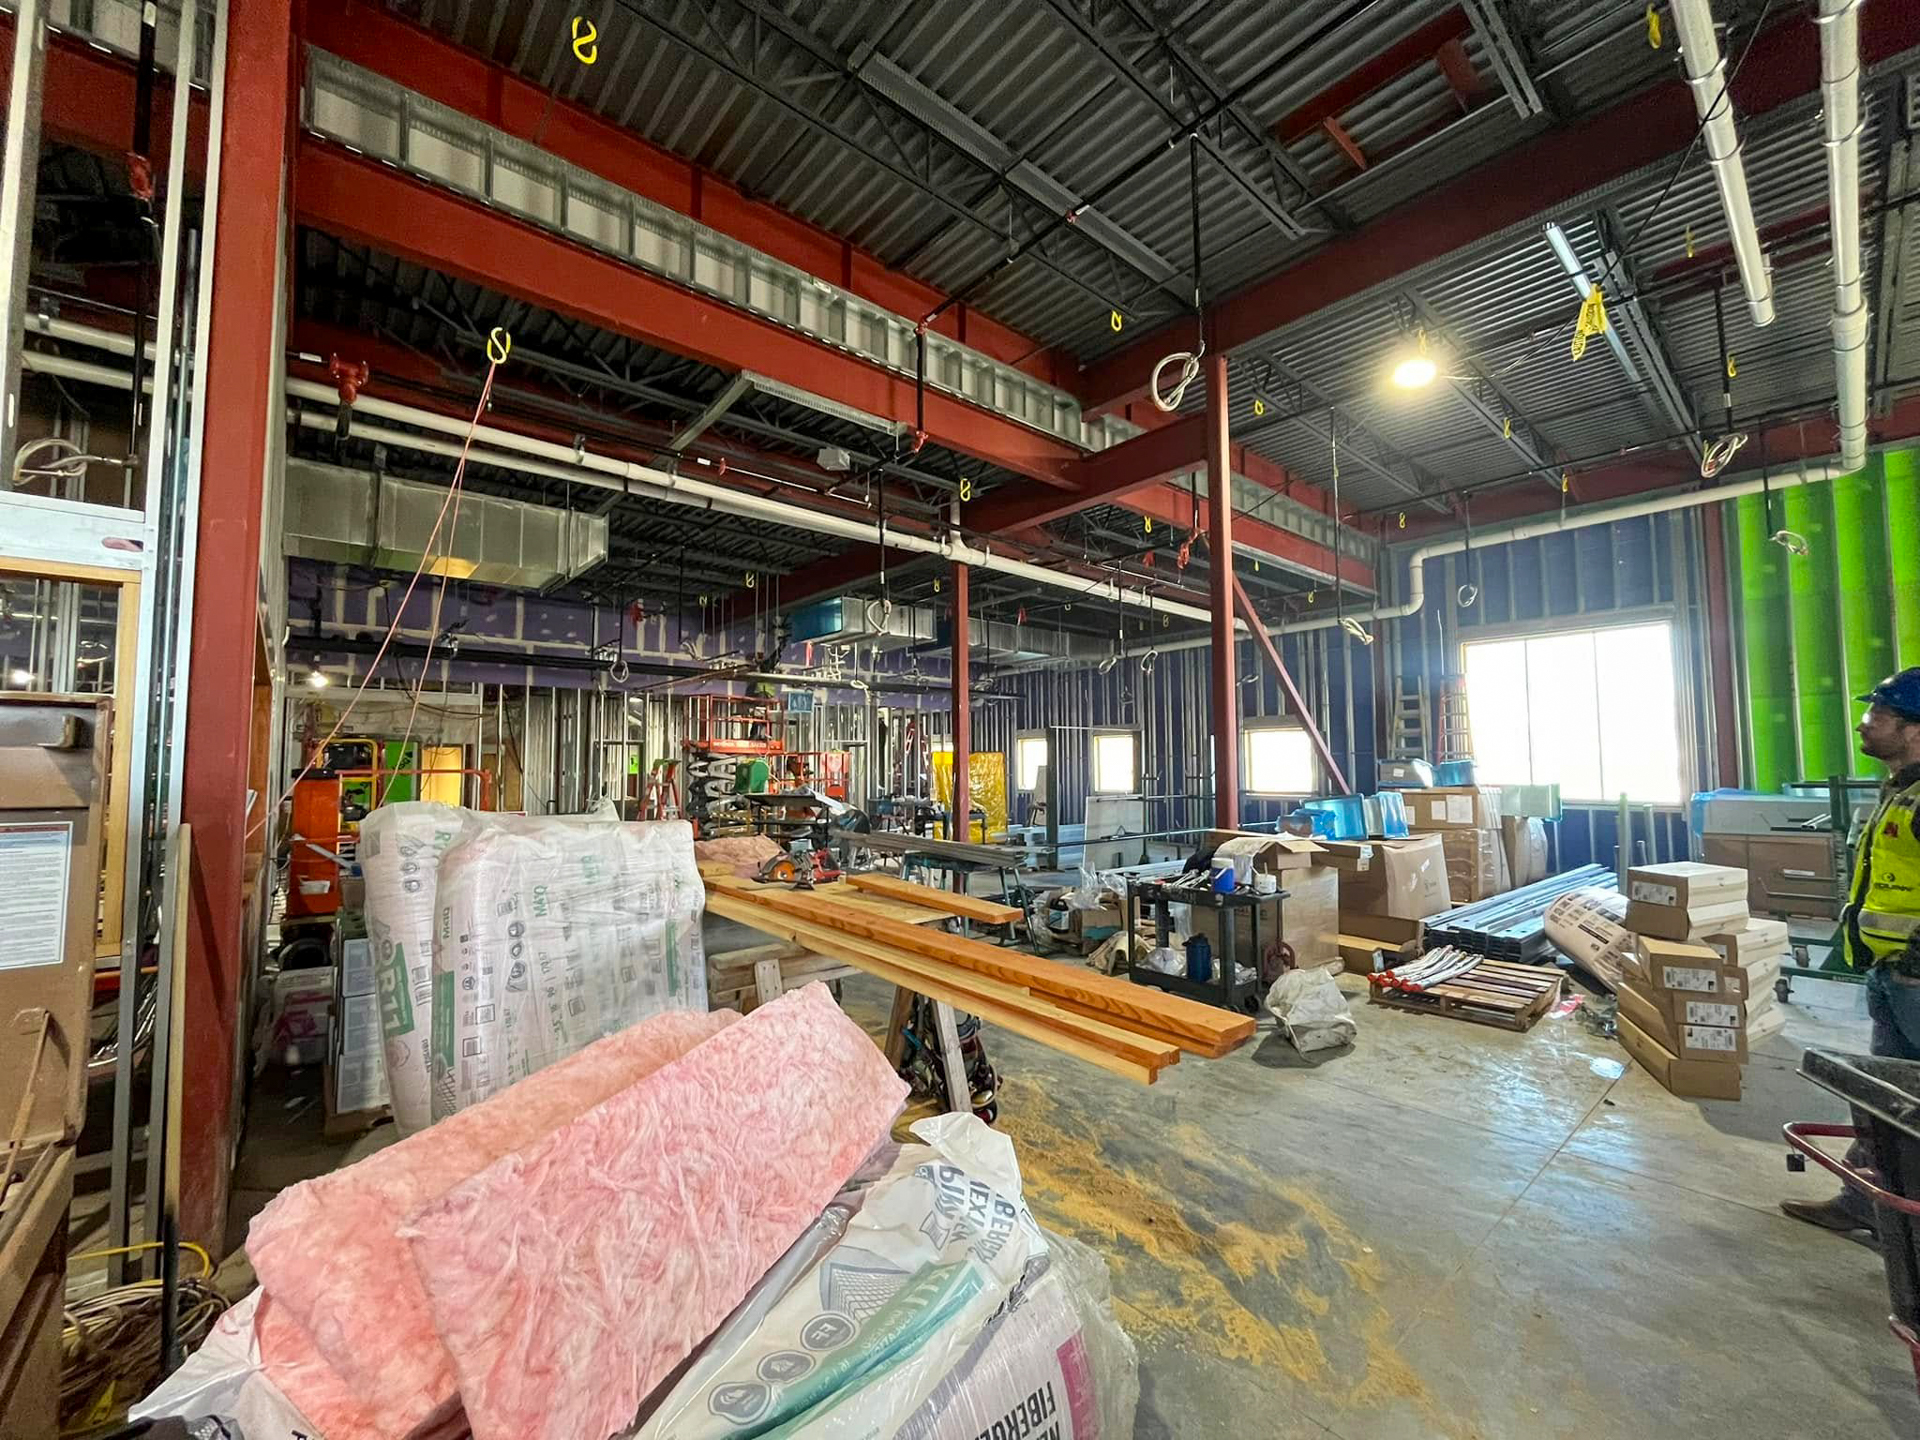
(1706, 71)
(1839, 22)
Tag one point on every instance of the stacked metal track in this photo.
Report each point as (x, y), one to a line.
(1513, 926)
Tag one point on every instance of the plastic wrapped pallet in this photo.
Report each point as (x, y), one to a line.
(400, 850)
(552, 934)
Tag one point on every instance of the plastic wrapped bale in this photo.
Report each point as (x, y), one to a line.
(1054, 1363)
(400, 850)
(552, 934)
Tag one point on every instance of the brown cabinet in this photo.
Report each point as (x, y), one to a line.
(1786, 874)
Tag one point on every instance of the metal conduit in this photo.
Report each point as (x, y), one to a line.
(1706, 71)
(1839, 22)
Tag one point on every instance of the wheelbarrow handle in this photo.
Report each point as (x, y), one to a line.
(1800, 1134)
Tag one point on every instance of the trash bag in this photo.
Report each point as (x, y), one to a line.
(1312, 1012)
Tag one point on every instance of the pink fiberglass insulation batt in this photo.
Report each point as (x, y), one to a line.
(569, 1278)
(327, 1254)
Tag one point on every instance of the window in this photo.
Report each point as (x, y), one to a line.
(1029, 758)
(1595, 711)
(1114, 770)
(1279, 761)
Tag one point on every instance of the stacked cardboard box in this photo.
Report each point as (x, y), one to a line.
(1307, 918)
(1759, 950)
(1683, 1016)
(1683, 1003)
(1467, 819)
(1686, 900)
(1388, 889)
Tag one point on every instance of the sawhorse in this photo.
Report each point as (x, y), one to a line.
(953, 1065)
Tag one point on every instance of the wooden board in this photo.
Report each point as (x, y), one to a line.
(838, 893)
(1204, 1028)
(1494, 992)
(1055, 1030)
(967, 907)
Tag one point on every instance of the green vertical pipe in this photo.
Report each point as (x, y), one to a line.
(1866, 620)
(1901, 469)
(1768, 626)
(1820, 669)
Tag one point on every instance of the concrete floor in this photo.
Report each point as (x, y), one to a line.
(1447, 1230)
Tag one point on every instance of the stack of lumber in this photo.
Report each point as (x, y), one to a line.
(1130, 1030)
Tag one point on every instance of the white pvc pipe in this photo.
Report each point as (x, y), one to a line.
(1706, 71)
(1806, 474)
(1839, 22)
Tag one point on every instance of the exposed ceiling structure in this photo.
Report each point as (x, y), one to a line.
(1034, 165)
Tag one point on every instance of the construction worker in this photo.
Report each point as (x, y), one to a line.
(1882, 917)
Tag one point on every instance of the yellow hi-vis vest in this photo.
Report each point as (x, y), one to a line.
(1884, 911)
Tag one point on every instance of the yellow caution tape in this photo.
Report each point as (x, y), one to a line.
(1592, 320)
(1653, 27)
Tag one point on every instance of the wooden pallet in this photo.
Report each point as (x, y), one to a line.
(1494, 992)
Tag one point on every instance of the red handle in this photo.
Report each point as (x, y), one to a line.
(1798, 1136)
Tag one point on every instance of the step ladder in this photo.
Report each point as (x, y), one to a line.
(1456, 738)
(1410, 712)
(661, 799)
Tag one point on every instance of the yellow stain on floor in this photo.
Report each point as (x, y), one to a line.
(1234, 1289)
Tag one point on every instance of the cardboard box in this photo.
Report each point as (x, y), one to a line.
(1669, 922)
(1686, 1034)
(1686, 885)
(1696, 1079)
(1525, 840)
(1388, 931)
(1271, 853)
(1362, 956)
(1476, 864)
(1453, 807)
(1759, 940)
(1406, 880)
(1349, 857)
(1681, 967)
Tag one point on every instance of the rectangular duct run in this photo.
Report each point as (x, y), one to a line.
(860, 621)
(364, 518)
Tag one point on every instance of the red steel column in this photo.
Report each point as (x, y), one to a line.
(1226, 683)
(962, 827)
(253, 167)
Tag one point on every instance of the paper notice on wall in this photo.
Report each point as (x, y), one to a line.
(1711, 1037)
(1649, 893)
(1460, 809)
(1708, 1012)
(34, 862)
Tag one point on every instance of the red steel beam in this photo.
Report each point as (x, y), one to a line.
(1225, 687)
(1174, 508)
(220, 701)
(87, 102)
(1415, 49)
(1259, 628)
(362, 201)
(1104, 478)
(1783, 66)
(375, 39)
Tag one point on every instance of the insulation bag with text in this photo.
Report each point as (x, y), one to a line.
(940, 1301)
(550, 934)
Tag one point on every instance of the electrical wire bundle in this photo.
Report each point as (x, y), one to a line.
(110, 1345)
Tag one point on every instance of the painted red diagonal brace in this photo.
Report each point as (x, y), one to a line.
(1259, 628)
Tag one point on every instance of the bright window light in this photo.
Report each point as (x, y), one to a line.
(1593, 711)
(1278, 761)
(1029, 758)
(1114, 770)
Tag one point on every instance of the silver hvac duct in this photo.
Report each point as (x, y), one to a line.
(1839, 22)
(1807, 473)
(1706, 71)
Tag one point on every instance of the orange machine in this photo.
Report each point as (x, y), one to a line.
(313, 874)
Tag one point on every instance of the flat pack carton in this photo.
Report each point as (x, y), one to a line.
(1453, 807)
(1695, 1079)
(1670, 922)
(1686, 884)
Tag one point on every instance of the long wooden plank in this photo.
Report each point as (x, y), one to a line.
(1151, 1051)
(1124, 1001)
(991, 1010)
(969, 907)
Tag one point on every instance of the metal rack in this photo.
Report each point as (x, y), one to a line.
(1228, 992)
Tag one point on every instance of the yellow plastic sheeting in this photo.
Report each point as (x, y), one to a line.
(986, 787)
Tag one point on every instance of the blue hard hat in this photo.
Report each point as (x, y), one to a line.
(1899, 693)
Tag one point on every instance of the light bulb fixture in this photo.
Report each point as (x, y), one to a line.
(21, 678)
(317, 679)
(1415, 368)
